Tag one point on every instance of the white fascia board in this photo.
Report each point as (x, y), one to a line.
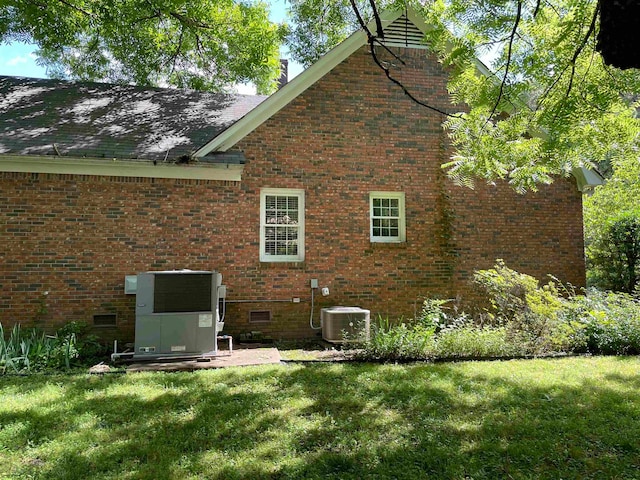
(118, 168)
(293, 89)
(587, 179)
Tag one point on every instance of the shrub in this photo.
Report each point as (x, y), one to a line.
(473, 341)
(399, 341)
(525, 318)
(604, 323)
(432, 313)
(29, 350)
(518, 302)
(614, 254)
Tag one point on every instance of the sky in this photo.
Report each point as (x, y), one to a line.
(19, 60)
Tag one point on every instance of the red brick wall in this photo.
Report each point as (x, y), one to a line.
(351, 133)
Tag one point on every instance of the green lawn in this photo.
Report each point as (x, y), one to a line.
(567, 418)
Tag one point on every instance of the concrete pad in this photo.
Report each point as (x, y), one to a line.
(237, 358)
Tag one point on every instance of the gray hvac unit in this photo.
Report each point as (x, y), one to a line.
(177, 313)
(340, 323)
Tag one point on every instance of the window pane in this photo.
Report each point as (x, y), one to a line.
(281, 240)
(386, 217)
(281, 219)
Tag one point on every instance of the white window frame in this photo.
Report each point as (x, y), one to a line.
(402, 233)
(281, 192)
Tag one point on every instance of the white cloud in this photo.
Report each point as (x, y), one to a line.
(245, 88)
(16, 61)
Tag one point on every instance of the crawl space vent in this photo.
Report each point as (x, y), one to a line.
(260, 316)
(104, 320)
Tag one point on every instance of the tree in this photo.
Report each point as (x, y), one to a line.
(200, 44)
(612, 229)
(551, 104)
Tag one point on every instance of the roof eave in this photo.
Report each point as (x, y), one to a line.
(118, 168)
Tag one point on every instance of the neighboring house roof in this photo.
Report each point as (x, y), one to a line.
(97, 120)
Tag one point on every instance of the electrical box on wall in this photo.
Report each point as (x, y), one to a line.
(130, 284)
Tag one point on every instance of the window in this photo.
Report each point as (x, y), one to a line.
(387, 217)
(281, 225)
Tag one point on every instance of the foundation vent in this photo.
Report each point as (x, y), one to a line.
(260, 316)
(104, 320)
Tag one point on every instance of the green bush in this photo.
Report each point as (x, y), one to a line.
(524, 318)
(398, 341)
(473, 341)
(604, 323)
(30, 350)
(614, 254)
(436, 335)
(518, 302)
(432, 313)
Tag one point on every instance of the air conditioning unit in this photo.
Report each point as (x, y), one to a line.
(345, 323)
(177, 313)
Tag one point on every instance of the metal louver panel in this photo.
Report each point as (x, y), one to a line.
(403, 33)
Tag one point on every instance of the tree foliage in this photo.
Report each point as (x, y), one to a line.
(612, 229)
(550, 103)
(318, 26)
(200, 44)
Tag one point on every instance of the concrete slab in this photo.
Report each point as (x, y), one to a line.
(237, 358)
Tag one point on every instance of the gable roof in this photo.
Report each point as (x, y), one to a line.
(57, 118)
(393, 21)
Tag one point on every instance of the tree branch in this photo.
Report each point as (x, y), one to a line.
(583, 44)
(390, 52)
(76, 8)
(374, 39)
(190, 22)
(174, 57)
(144, 19)
(380, 32)
(537, 9)
(404, 89)
(363, 25)
(508, 65)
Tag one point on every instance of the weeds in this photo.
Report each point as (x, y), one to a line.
(523, 318)
(31, 350)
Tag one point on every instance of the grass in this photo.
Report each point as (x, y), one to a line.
(563, 418)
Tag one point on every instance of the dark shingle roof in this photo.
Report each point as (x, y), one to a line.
(82, 119)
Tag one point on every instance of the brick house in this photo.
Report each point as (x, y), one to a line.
(335, 177)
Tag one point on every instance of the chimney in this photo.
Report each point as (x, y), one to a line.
(284, 73)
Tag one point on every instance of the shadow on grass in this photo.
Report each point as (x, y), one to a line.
(570, 418)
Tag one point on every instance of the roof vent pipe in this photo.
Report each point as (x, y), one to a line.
(284, 73)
